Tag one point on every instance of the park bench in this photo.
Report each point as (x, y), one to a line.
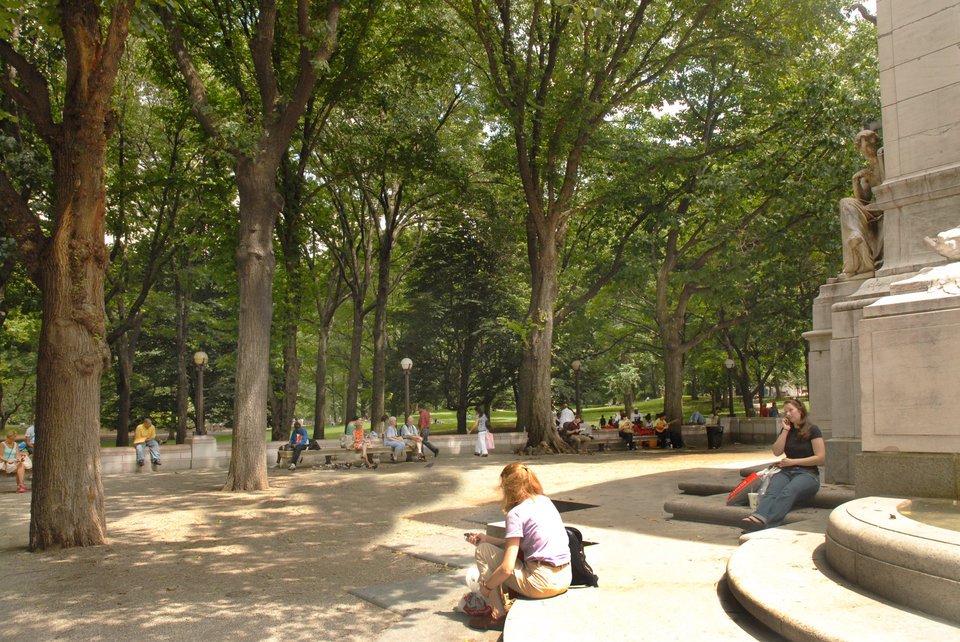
(345, 453)
(604, 440)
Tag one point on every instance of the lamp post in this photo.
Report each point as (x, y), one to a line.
(576, 365)
(406, 365)
(728, 364)
(200, 359)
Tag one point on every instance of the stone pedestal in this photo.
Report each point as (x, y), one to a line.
(885, 350)
(204, 451)
(910, 383)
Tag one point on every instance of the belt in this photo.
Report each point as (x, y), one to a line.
(550, 564)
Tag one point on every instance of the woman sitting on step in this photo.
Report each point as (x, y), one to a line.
(534, 558)
(799, 477)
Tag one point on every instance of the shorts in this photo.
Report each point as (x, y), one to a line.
(12, 468)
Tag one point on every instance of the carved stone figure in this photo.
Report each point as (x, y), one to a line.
(946, 244)
(860, 223)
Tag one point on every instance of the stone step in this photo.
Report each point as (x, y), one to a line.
(782, 578)
(829, 495)
(713, 509)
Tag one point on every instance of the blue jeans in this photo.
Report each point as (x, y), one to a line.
(785, 489)
(154, 450)
(398, 447)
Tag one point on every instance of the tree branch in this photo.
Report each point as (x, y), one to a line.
(20, 223)
(200, 102)
(35, 95)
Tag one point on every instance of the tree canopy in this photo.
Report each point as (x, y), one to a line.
(310, 192)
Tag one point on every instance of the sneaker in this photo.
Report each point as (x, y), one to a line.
(156, 463)
(139, 462)
(292, 467)
(436, 453)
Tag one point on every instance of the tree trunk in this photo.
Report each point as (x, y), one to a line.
(320, 398)
(255, 269)
(126, 349)
(628, 400)
(380, 327)
(286, 404)
(66, 507)
(761, 382)
(463, 381)
(183, 377)
(743, 387)
(326, 309)
(672, 381)
(353, 374)
(67, 502)
(535, 414)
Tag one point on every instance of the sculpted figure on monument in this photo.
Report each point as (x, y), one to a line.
(860, 225)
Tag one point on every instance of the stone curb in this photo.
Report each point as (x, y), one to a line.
(781, 577)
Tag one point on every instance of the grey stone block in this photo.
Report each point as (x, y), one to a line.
(908, 475)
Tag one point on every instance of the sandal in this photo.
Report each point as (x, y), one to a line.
(752, 524)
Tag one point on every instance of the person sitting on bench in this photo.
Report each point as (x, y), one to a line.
(392, 440)
(570, 432)
(299, 441)
(625, 430)
(411, 437)
(361, 442)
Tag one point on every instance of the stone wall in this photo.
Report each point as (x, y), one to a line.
(206, 452)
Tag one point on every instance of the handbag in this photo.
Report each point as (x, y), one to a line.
(491, 444)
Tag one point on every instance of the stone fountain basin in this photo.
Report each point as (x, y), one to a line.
(872, 544)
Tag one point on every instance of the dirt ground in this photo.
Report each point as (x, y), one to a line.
(185, 561)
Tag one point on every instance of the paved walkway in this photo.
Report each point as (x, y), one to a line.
(366, 555)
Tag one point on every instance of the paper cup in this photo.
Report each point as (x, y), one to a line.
(753, 500)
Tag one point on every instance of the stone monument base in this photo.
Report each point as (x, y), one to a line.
(908, 475)
(910, 388)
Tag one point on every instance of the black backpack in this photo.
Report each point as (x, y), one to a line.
(583, 575)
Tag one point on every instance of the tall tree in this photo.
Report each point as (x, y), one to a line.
(284, 53)
(61, 245)
(557, 70)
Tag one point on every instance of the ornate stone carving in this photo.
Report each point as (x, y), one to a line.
(946, 244)
(860, 222)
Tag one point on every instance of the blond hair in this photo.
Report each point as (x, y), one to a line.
(518, 483)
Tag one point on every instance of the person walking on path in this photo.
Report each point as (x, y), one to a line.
(145, 435)
(481, 425)
(533, 557)
(799, 477)
(423, 425)
(15, 461)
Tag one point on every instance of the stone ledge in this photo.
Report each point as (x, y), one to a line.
(829, 496)
(782, 578)
(869, 542)
(713, 510)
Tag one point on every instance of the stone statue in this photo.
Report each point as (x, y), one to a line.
(946, 244)
(860, 225)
